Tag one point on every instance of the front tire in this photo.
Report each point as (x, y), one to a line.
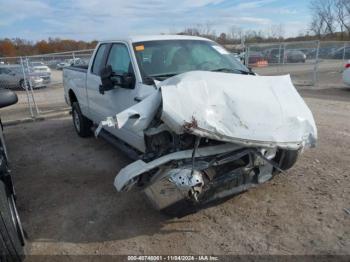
(81, 124)
(11, 233)
(287, 158)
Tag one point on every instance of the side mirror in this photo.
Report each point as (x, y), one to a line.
(106, 79)
(7, 98)
(128, 81)
(109, 80)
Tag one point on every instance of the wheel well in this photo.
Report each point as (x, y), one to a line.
(72, 97)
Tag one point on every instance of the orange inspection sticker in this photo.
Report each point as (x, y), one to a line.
(139, 47)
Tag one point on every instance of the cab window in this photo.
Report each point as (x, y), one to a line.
(119, 59)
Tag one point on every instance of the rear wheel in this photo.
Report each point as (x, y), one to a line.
(11, 233)
(81, 124)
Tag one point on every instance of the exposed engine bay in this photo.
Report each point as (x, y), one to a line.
(207, 139)
(198, 170)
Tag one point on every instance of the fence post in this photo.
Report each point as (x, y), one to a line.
(279, 53)
(316, 63)
(344, 52)
(246, 58)
(26, 88)
(31, 89)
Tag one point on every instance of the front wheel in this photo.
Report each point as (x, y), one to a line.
(11, 233)
(286, 158)
(81, 124)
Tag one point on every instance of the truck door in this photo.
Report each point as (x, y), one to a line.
(116, 100)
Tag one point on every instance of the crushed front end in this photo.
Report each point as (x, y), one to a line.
(207, 170)
(212, 135)
(204, 179)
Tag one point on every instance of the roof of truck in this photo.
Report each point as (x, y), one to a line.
(144, 38)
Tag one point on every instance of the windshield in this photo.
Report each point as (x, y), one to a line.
(166, 58)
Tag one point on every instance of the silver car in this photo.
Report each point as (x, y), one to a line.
(41, 70)
(11, 77)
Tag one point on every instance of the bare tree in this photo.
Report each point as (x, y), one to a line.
(208, 28)
(317, 26)
(323, 21)
(342, 12)
(276, 31)
(235, 33)
(191, 31)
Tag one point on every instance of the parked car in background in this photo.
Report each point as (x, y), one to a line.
(346, 73)
(200, 125)
(11, 77)
(273, 55)
(76, 61)
(279, 56)
(342, 53)
(255, 57)
(52, 64)
(41, 70)
(62, 65)
(310, 53)
(294, 56)
(12, 239)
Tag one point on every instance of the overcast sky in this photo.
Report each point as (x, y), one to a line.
(106, 19)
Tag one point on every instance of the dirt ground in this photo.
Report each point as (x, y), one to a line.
(68, 204)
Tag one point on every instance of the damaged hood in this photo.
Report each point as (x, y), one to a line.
(245, 109)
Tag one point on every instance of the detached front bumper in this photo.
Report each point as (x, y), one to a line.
(217, 172)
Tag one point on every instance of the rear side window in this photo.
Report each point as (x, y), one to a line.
(99, 60)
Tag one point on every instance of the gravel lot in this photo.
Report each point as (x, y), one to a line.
(68, 204)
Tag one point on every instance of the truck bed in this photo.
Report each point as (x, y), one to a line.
(74, 79)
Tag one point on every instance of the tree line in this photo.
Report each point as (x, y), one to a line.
(22, 47)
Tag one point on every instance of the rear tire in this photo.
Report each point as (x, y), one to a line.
(11, 234)
(81, 124)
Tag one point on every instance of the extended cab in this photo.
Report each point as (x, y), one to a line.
(199, 124)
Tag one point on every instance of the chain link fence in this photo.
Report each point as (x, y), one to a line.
(308, 63)
(37, 81)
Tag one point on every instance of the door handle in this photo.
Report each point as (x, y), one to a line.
(137, 99)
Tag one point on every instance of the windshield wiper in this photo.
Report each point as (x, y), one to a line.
(162, 76)
(230, 70)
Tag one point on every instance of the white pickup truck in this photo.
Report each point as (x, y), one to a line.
(199, 124)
